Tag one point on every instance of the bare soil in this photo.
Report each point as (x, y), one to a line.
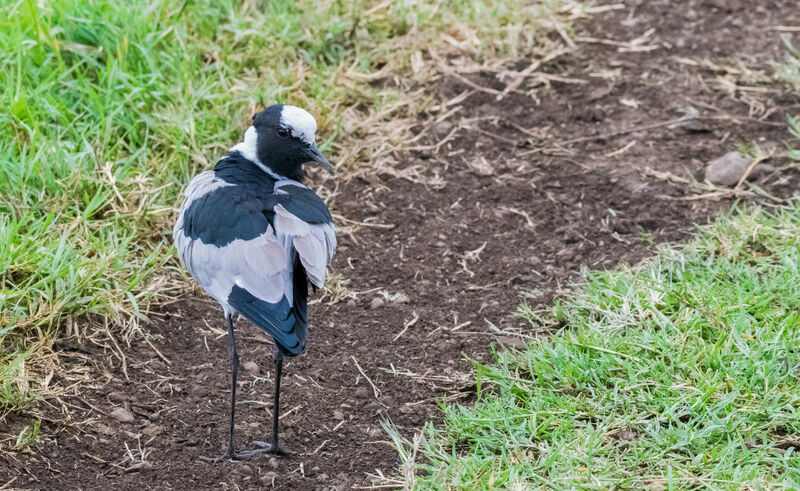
(506, 206)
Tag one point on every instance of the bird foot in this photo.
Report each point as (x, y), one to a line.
(272, 449)
(266, 448)
(227, 456)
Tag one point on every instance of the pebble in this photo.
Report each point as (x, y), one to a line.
(105, 430)
(362, 393)
(157, 365)
(376, 303)
(338, 415)
(269, 477)
(273, 463)
(322, 477)
(117, 397)
(728, 169)
(251, 367)
(153, 430)
(725, 5)
(512, 342)
(442, 128)
(351, 303)
(122, 415)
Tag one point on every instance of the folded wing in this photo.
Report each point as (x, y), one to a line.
(265, 276)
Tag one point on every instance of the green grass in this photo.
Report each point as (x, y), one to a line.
(679, 373)
(788, 71)
(111, 106)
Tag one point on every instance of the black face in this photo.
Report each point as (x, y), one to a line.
(277, 148)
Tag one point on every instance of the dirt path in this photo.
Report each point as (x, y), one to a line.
(499, 209)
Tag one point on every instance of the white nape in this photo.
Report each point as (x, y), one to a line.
(248, 150)
(302, 124)
(248, 147)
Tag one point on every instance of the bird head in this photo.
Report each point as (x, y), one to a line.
(281, 140)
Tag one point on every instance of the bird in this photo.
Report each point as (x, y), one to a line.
(256, 238)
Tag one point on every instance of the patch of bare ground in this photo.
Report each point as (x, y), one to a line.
(586, 163)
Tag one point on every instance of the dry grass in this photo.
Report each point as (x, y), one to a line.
(142, 105)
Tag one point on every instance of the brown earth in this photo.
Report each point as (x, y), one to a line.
(500, 209)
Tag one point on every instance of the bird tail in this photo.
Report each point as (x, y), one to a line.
(286, 323)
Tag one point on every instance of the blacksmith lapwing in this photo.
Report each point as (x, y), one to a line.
(254, 236)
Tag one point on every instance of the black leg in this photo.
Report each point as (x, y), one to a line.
(276, 405)
(274, 447)
(233, 356)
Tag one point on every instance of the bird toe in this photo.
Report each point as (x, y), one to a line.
(214, 460)
(271, 449)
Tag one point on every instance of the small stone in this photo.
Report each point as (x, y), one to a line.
(122, 415)
(104, 441)
(117, 397)
(322, 477)
(442, 129)
(153, 430)
(157, 365)
(372, 406)
(376, 303)
(245, 469)
(512, 342)
(762, 170)
(104, 429)
(351, 303)
(273, 463)
(362, 393)
(725, 5)
(338, 415)
(251, 367)
(695, 126)
(269, 477)
(728, 169)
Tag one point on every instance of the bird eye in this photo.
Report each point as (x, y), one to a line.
(283, 132)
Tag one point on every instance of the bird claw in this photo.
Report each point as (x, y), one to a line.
(268, 448)
(214, 460)
(247, 454)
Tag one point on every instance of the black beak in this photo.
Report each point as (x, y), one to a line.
(316, 158)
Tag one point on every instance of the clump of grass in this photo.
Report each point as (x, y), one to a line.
(794, 129)
(789, 70)
(110, 107)
(681, 372)
(28, 436)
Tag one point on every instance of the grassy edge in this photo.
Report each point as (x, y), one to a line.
(139, 106)
(676, 357)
